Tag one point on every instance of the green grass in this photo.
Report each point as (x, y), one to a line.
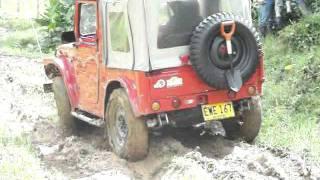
(19, 38)
(291, 103)
(15, 23)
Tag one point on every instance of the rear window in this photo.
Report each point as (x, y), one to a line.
(178, 18)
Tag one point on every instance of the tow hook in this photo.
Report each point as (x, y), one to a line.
(47, 88)
(244, 105)
(240, 123)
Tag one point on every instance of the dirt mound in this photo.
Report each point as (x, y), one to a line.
(176, 154)
(246, 162)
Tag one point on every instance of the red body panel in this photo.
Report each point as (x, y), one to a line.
(194, 87)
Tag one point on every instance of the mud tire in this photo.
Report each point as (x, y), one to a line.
(210, 65)
(250, 128)
(133, 145)
(66, 121)
(252, 120)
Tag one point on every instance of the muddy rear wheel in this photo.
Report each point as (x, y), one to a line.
(128, 135)
(66, 120)
(251, 119)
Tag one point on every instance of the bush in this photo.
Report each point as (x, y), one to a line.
(57, 18)
(307, 86)
(302, 35)
(15, 24)
(314, 5)
(19, 40)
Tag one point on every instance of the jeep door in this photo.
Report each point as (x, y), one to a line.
(86, 63)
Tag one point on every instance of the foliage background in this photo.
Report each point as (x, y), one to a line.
(314, 5)
(302, 35)
(58, 17)
(291, 91)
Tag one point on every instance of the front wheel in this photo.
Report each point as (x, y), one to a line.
(128, 135)
(66, 121)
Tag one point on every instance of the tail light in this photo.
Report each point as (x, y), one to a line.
(155, 106)
(176, 103)
(203, 99)
(252, 90)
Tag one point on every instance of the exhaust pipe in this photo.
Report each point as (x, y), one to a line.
(157, 123)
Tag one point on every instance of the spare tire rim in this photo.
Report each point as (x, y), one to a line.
(219, 55)
(121, 127)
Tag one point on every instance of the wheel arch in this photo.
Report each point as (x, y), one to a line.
(129, 87)
(60, 67)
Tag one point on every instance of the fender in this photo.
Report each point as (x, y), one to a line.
(130, 88)
(61, 66)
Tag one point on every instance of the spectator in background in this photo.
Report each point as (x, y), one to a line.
(286, 4)
(265, 12)
(278, 6)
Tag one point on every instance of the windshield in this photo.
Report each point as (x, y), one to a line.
(178, 18)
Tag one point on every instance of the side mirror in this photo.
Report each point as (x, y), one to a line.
(68, 37)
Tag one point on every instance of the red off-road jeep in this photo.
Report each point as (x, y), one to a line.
(137, 65)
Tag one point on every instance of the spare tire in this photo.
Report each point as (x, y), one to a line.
(208, 52)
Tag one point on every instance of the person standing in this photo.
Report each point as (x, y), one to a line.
(279, 4)
(265, 12)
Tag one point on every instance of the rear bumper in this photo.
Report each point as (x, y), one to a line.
(193, 116)
(194, 100)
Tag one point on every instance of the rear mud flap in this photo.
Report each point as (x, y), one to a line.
(47, 88)
(234, 80)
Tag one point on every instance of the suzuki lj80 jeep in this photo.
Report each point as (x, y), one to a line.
(135, 66)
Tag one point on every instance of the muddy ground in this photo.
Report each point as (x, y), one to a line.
(177, 154)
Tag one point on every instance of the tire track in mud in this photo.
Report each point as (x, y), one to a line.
(176, 154)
